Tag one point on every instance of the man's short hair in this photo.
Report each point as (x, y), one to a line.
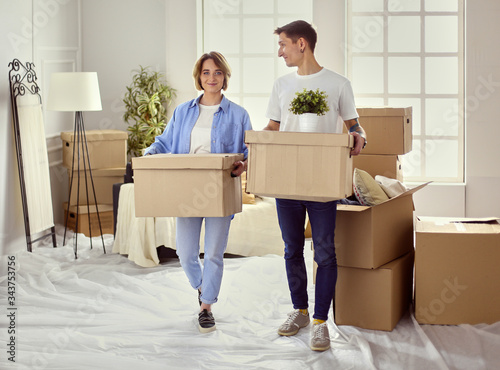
(219, 61)
(298, 29)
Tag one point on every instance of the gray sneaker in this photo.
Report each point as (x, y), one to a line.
(320, 337)
(293, 323)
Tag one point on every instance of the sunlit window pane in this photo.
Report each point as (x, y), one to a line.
(236, 73)
(404, 5)
(258, 35)
(369, 102)
(303, 7)
(411, 162)
(441, 158)
(257, 114)
(257, 7)
(367, 34)
(441, 117)
(441, 34)
(223, 36)
(441, 5)
(367, 5)
(368, 75)
(221, 8)
(404, 34)
(441, 75)
(257, 70)
(404, 75)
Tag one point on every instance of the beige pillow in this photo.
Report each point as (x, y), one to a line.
(367, 191)
(392, 187)
(246, 198)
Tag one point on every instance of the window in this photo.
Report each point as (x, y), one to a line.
(242, 30)
(410, 53)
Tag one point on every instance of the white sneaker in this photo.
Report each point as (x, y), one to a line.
(320, 337)
(295, 321)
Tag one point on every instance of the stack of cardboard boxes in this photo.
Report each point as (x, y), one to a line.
(107, 150)
(374, 245)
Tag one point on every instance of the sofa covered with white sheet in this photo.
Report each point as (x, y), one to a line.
(253, 232)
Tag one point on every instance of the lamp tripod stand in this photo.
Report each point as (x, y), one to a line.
(82, 152)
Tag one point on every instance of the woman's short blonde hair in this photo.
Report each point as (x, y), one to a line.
(219, 61)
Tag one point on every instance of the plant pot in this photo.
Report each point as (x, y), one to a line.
(308, 122)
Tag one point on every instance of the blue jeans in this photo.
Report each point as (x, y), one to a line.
(207, 276)
(291, 217)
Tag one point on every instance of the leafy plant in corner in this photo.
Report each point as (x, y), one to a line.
(146, 102)
(309, 101)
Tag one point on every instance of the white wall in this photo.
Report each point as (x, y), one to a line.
(482, 99)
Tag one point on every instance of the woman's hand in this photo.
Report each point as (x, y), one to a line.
(239, 168)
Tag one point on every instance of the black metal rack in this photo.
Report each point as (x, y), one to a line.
(22, 81)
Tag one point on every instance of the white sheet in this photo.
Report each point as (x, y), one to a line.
(253, 232)
(105, 312)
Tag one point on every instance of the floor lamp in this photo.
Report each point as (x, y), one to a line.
(77, 92)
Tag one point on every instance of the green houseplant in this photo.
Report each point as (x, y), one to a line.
(146, 102)
(309, 101)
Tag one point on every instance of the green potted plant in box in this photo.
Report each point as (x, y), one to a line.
(146, 102)
(309, 105)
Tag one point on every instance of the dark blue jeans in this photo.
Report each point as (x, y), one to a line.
(292, 216)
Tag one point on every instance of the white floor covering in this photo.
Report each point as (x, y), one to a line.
(101, 311)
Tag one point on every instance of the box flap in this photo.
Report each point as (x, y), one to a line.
(97, 135)
(358, 208)
(406, 193)
(218, 161)
(298, 138)
(487, 225)
(352, 208)
(383, 111)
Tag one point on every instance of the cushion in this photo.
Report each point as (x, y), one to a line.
(246, 198)
(366, 189)
(391, 187)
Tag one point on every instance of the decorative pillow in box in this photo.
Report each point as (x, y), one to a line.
(367, 191)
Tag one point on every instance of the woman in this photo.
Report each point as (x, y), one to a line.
(208, 124)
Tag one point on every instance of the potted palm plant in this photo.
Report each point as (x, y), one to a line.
(146, 102)
(309, 105)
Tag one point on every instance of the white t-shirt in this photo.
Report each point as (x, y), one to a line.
(339, 96)
(202, 130)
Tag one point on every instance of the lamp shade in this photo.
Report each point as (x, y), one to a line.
(73, 92)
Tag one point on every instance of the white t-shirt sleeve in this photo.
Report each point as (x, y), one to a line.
(347, 107)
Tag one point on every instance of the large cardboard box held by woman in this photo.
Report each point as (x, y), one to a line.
(186, 185)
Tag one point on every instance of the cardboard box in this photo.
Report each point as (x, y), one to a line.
(388, 130)
(186, 185)
(374, 299)
(82, 212)
(379, 164)
(369, 237)
(104, 179)
(106, 149)
(303, 166)
(457, 274)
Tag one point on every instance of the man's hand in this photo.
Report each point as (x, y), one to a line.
(359, 142)
(239, 168)
(359, 135)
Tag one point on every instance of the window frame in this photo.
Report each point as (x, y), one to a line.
(424, 138)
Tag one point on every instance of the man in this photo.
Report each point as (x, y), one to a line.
(297, 41)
